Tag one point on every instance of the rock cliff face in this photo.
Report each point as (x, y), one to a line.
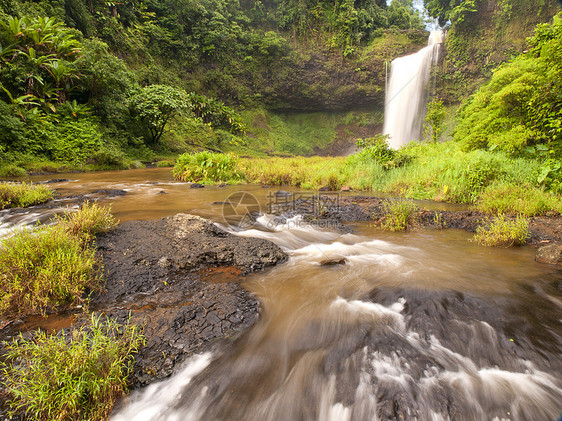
(481, 40)
(321, 80)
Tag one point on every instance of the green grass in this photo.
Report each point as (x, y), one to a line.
(493, 181)
(509, 197)
(302, 172)
(101, 161)
(208, 167)
(52, 267)
(503, 232)
(165, 163)
(398, 215)
(76, 376)
(22, 195)
(89, 221)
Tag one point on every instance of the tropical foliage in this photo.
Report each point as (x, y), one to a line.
(520, 110)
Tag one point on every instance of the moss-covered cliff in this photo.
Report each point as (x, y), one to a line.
(481, 34)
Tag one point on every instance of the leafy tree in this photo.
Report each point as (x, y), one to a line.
(155, 105)
(215, 113)
(106, 82)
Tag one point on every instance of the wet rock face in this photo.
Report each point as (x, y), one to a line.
(551, 254)
(177, 277)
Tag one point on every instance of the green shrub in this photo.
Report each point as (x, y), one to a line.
(12, 170)
(503, 232)
(165, 164)
(22, 195)
(208, 167)
(51, 267)
(374, 149)
(399, 215)
(108, 158)
(504, 197)
(433, 123)
(520, 105)
(76, 376)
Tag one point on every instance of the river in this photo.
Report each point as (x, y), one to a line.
(423, 325)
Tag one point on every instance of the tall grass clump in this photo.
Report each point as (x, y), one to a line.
(51, 267)
(208, 167)
(22, 195)
(76, 376)
(523, 199)
(398, 215)
(89, 221)
(503, 232)
(308, 173)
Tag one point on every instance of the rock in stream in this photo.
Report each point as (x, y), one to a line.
(178, 276)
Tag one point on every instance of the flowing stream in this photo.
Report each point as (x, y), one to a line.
(418, 326)
(406, 94)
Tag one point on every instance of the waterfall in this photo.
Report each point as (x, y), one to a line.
(406, 94)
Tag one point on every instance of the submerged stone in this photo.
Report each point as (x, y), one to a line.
(333, 262)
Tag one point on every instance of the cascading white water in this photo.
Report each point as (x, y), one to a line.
(406, 94)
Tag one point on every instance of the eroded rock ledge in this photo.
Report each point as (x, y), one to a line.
(178, 276)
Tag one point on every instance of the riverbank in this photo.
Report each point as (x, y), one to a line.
(179, 277)
(492, 181)
(331, 210)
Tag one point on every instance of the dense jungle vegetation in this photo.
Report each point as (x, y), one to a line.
(108, 83)
(97, 84)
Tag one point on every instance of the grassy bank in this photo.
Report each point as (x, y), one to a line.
(24, 167)
(493, 181)
(23, 195)
(73, 375)
(52, 267)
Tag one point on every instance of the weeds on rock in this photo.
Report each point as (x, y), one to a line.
(503, 232)
(76, 376)
(398, 215)
(90, 220)
(23, 195)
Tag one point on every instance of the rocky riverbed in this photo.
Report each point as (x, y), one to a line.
(178, 277)
(336, 211)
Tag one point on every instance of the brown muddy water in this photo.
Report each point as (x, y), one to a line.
(418, 326)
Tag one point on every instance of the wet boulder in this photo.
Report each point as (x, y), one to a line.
(551, 254)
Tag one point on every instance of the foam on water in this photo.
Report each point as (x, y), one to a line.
(156, 401)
